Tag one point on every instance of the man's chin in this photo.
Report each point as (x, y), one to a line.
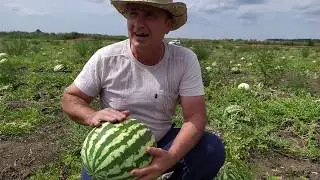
(140, 42)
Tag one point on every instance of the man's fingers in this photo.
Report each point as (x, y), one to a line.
(109, 115)
(146, 177)
(153, 151)
(117, 114)
(126, 113)
(141, 172)
(97, 123)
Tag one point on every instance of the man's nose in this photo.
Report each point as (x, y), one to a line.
(140, 20)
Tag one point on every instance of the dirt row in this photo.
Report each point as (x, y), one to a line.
(22, 156)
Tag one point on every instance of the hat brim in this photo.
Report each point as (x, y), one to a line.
(177, 9)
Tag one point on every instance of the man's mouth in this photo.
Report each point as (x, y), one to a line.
(141, 34)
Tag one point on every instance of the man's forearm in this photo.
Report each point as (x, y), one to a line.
(189, 135)
(76, 108)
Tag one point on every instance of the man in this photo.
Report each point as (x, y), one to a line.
(145, 78)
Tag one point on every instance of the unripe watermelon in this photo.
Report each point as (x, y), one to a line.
(111, 151)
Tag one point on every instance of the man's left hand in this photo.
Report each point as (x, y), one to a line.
(162, 161)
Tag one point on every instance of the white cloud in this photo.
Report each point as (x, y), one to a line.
(44, 7)
(309, 10)
(313, 11)
(217, 6)
(18, 7)
(97, 1)
(249, 18)
(303, 5)
(312, 20)
(206, 18)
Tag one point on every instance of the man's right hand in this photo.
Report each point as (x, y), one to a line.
(106, 115)
(76, 105)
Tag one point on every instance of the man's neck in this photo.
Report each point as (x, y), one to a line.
(149, 55)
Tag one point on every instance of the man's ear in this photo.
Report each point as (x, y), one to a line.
(169, 25)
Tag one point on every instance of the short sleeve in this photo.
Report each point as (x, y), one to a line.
(191, 83)
(89, 80)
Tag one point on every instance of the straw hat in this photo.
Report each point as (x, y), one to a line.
(177, 9)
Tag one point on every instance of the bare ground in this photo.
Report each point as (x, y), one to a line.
(21, 156)
(285, 167)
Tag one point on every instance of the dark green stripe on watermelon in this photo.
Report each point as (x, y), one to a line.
(139, 161)
(125, 125)
(106, 128)
(126, 138)
(88, 139)
(145, 156)
(126, 154)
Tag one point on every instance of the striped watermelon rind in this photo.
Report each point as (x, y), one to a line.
(111, 151)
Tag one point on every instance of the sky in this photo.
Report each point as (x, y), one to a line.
(207, 19)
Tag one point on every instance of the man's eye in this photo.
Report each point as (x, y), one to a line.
(151, 15)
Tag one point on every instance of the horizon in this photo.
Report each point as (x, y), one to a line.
(181, 38)
(208, 19)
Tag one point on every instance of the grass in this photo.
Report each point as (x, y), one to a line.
(279, 114)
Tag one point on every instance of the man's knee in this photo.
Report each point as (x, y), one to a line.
(215, 155)
(205, 159)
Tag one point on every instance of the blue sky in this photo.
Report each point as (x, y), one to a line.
(211, 19)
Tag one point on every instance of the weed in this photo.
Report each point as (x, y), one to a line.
(305, 52)
(16, 47)
(270, 68)
(86, 48)
(280, 116)
(202, 52)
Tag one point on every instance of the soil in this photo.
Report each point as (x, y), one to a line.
(21, 156)
(287, 167)
(284, 167)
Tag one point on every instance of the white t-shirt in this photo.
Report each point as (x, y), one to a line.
(151, 93)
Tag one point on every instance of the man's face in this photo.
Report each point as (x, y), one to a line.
(147, 25)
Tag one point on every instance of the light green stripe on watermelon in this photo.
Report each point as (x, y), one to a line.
(143, 160)
(91, 139)
(106, 128)
(133, 159)
(146, 158)
(124, 176)
(112, 136)
(113, 150)
(126, 154)
(107, 133)
(125, 163)
(111, 142)
(126, 149)
(84, 151)
(139, 159)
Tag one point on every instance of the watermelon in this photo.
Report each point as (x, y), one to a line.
(111, 151)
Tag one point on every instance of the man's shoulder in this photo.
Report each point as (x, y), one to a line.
(181, 55)
(115, 49)
(181, 51)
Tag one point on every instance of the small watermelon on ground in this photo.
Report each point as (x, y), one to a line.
(111, 151)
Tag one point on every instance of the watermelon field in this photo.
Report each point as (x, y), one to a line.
(270, 125)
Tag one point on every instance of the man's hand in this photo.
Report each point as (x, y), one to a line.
(75, 103)
(162, 161)
(106, 115)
